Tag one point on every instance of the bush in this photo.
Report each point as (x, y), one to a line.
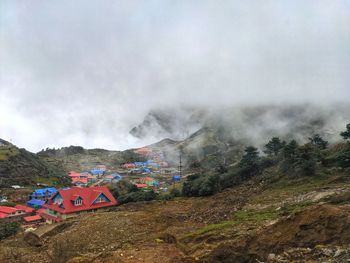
(122, 187)
(174, 192)
(10, 204)
(204, 185)
(136, 197)
(8, 229)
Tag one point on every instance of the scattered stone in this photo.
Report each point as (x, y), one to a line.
(32, 239)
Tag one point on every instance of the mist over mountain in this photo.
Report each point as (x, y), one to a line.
(85, 73)
(250, 124)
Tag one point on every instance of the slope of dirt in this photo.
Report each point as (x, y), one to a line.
(254, 220)
(307, 229)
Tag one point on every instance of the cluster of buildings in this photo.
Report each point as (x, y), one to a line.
(48, 205)
(95, 175)
(55, 205)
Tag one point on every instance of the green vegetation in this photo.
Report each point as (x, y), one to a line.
(21, 167)
(7, 151)
(136, 197)
(292, 160)
(8, 229)
(346, 134)
(242, 219)
(274, 146)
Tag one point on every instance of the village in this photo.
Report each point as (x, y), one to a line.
(90, 191)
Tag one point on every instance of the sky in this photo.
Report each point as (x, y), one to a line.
(85, 72)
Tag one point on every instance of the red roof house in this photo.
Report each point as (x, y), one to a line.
(3, 215)
(32, 219)
(144, 151)
(129, 165)
(141, 185)
(6, 211)
(27, 209)
(79, 181)
(70, 202)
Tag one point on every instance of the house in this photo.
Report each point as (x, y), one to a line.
(33, 219)
(117, 177)
(99, 170)
(148, 181)
(80, 181)
(26, 209)
(129, 165)
(91, 179)
(139, 164)
(35, 203)
(144, 151)
(6, 212)
(43, 194)
(176, 178)
(72, 202)
(141, 186)
(3, 199)
(74, 174)
(112, 178)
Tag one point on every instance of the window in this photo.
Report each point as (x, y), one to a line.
(100, 199)
(78, 202)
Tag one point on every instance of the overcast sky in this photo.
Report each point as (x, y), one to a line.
(84, 72)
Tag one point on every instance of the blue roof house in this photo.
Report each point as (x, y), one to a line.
(43, 194)
(35, 203)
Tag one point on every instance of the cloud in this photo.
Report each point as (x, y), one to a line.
(86, 72)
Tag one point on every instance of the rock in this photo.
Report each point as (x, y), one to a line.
(32, 239)
(338, 252)
(167, 238)
(271, 257)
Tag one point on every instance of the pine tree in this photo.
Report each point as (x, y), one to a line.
(346, 134)
(318, 141)
(274, 146)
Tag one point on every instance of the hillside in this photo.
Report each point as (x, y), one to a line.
(80, 159)
(241, 224)
(20, 167)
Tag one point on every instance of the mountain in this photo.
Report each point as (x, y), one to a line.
(249, 124)
(20, 167)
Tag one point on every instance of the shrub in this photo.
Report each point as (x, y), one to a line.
(8, 229)
(201, 185)
(137, 197)
(174, 192)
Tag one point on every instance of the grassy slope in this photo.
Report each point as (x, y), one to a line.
(18, 166)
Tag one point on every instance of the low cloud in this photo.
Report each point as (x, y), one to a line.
(86, 72)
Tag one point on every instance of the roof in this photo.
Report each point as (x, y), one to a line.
(43, 191)
(141, 185)
(129, 165)
(147, 179)
(36, 202)
(3, 215)
(40, 211)
(25, 208)
(88, 195)
(32, 218)
(81, 180)
(109, 177)
(7, 209)
(73, 173)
